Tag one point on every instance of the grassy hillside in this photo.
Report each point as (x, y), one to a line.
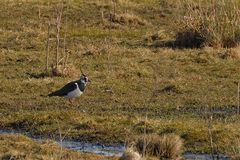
(133, 70)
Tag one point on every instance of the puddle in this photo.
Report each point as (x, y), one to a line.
(116, 150)
(106, 150)
(93, 148)
(192, 156)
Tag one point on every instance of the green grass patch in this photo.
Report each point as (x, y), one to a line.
(178, 89)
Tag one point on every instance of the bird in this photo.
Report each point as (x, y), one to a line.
(72, 89)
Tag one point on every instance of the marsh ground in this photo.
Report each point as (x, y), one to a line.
(132, 76)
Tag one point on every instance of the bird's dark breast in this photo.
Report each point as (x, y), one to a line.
(81, 86)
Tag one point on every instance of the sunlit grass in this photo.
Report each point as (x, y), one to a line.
(176, 88)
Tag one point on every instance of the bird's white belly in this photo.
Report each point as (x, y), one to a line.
(73, 94)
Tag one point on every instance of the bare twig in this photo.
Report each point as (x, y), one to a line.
(210, 135)
(58, 26)
(47, 48)
(61, 137)
(65, 52)
(114, 8)
(102, 16)
(238, 105)
(144, 137)
(39, 17)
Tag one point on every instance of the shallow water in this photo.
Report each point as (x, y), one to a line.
(193, 156)
(106, 150)
(115, 150)
(94, 148)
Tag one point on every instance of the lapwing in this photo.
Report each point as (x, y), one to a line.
(73, 89)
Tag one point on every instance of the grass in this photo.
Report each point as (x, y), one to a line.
(20, 147)
(208, 23)
(129, 154)
(165, 147)
(176, 88)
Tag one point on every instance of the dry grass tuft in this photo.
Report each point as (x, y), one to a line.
(127, 19)
(160, 35)
(68, 71)
(208, 23)
(172, 89)
(130, 154)
(236, 150)
(167, 146)
(232, 53)
(21, 147)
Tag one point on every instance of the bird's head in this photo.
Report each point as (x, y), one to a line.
(83, 78)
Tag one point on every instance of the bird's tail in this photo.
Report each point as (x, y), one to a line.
(56, 93)
(41, 95)
(51, 94)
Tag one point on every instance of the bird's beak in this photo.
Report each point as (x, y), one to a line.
(89, 80)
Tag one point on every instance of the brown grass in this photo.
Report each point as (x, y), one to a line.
(208, 23)
(21, 148)
(127, 19)
(123, 74)
(130, 154)
(236, 150)
(232, 53)
(67, 71)
(166, 146)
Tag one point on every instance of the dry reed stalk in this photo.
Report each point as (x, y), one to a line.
(166, 146)
(144, 137)
(238, 105)
(66, 54)
(210, 135)
(58, 27)
(211, 23)
(47, 48)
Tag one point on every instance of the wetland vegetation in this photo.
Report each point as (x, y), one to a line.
(149, 72)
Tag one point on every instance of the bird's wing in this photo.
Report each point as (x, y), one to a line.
(64, 90)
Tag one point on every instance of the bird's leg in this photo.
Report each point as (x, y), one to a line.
(71, 101)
